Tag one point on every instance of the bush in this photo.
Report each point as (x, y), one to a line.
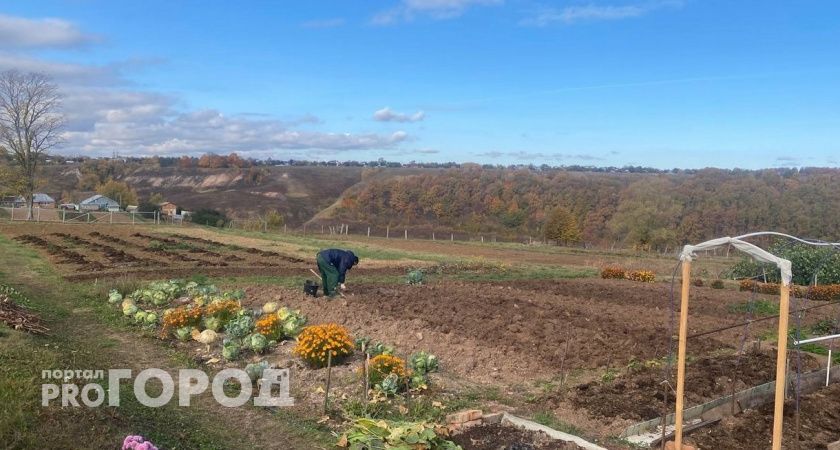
(210, 217)
(317, 341)
(613, 272)
(698, 282)
(717, 284)
(644, 276)
(382, 366)
(270, 326)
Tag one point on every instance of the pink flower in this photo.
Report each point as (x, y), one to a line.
(132, 442)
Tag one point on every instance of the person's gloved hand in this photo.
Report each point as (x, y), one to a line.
(343, 287)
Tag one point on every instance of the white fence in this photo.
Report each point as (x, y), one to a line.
(52, 215)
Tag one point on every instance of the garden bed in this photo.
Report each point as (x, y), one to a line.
(498, 436)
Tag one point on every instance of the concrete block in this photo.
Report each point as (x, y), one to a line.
(492, 419)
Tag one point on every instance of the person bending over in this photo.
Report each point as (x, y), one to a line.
(334, 264)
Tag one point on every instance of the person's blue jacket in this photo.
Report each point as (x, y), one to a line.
(342, 260)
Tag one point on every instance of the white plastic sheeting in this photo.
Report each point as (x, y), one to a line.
(756, 252)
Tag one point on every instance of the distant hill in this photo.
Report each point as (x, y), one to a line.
(297, 192)
(650, 210)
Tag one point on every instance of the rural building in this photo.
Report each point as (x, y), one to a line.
(168, 209)
(99, 203)
(69, 206)
(41, 201)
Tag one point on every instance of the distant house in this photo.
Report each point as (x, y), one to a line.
(40, 201)
(168, 208)
(99, 203)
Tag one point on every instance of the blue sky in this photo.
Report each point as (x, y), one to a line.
(662, 83)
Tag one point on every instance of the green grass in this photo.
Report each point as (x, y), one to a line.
(758, 307)
(80, 322)
(548, 419)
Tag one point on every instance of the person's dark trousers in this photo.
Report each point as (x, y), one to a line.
(329, 276)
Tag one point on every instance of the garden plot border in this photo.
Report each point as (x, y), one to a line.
(651, 430)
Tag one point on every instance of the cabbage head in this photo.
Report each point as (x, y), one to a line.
(257, 342)
(230, 349)
(255, 370)
(114, 296)
(183, 334)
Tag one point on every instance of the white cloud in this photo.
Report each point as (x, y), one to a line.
(20, 32)
(149, 126)
(323, 23)
(407, 10)
(386, 114)
(592, 12)
(105, 112)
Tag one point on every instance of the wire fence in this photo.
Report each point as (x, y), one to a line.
(53, 215)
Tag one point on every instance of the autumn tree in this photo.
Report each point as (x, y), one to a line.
(119, 191)
(562, 226)
(30, 124)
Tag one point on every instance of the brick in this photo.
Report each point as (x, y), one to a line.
(492, 419)
(463, 416)
(471, 423)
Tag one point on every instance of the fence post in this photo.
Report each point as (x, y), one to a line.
(111, 217)
(406, 234)
(38, 215)
(452, 237)
(284, 228)
(63, 215)
(433, 235)
(387, 232)
(482, 239)
(368, 231)
(133, 215)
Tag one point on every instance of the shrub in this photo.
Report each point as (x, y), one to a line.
(210, 217)
(223, 310)
(823, 292)
(698, 282)
(717, 284)
(382, 366)
(270, 326)
(644, 276)
(181, 317)
(613, 272)
(316, 341)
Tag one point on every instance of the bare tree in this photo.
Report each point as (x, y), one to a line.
(30, 123)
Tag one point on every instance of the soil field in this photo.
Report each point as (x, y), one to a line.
(518, 333)
(819, 425)
(87, 252)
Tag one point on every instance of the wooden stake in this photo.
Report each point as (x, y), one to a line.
(678, 419)
(778, 412)
(368, 231)
(329, 375)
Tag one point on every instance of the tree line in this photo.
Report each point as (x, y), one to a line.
(651, 211)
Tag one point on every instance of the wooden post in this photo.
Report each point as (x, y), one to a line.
(284, 228)
(678, 419)
(406, 233)
(63, 215)
(110, 217)
(778, 413)
(387, 232)
(329, 375)
(452, 237)
(433, 235)
(368, 231)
